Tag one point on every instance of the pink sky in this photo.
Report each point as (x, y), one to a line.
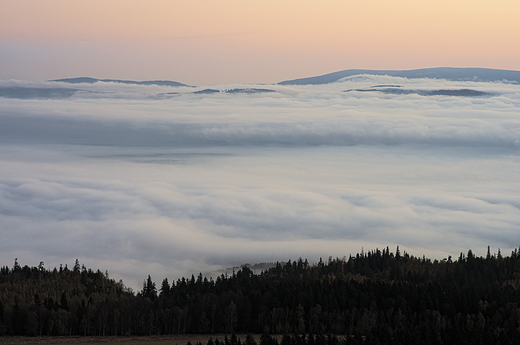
(248, 41)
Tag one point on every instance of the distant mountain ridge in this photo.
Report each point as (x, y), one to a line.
(448, 73)
(94, 80)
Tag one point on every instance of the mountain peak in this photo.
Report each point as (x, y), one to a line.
(448, 73)
(89, 80)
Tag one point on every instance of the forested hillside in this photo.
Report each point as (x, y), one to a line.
(374, 296)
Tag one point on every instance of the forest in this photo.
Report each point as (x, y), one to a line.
(374, 297)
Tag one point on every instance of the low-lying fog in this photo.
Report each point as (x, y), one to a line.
(169, 181)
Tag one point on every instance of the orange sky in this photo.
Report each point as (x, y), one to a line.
(247, 41)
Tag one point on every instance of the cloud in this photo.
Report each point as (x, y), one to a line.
(139, 185)
(228, 121)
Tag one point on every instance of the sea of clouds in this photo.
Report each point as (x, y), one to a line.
(142, 180)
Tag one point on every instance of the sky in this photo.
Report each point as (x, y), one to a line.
(160, 180)
(208, 42)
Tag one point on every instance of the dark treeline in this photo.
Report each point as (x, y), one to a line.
(375, 297)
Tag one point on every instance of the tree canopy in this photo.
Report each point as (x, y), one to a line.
(375, 296)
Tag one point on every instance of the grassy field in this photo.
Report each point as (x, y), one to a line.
(180, 339)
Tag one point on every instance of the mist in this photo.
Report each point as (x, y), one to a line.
(159, 180)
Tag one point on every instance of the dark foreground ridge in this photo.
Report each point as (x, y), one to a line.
(94, 80)
(374, 297)
(448, 73)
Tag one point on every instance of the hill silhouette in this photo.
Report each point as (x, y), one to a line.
(94, 80)
(448, 73)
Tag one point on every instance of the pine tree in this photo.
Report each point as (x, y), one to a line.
(149, 289)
